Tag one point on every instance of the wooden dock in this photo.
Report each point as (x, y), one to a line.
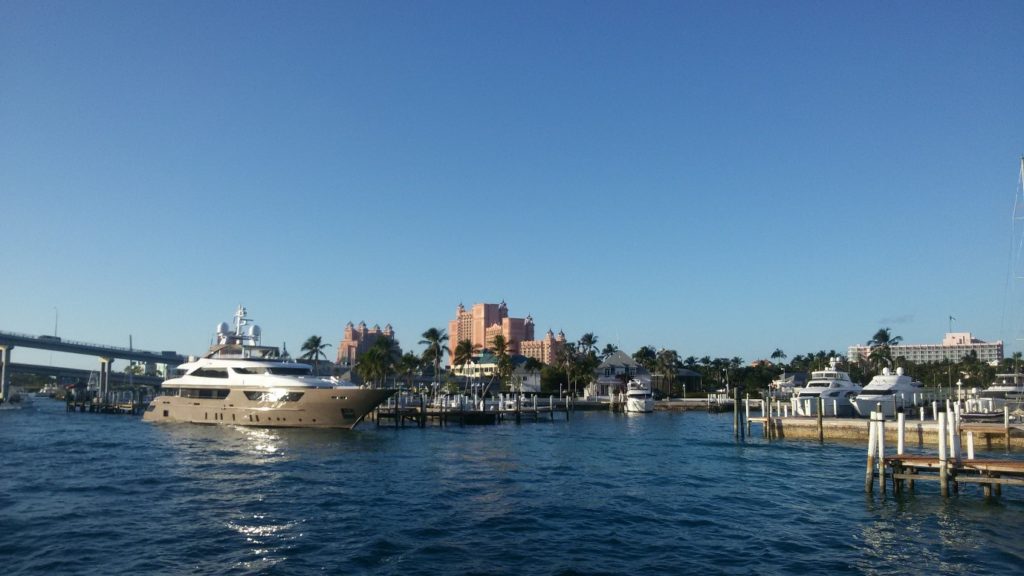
(420, 413)
(950, 467)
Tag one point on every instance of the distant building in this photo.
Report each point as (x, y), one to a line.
(485, 321)
(954, 346)
(544, 350)
(613, 373)
(359, 339)
(483, 368)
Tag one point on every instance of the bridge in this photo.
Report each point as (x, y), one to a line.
(106, 354)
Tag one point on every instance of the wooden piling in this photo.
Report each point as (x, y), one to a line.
(943, 472)
(869, 474)
(821, 428)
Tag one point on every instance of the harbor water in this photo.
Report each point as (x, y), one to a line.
(599, 493)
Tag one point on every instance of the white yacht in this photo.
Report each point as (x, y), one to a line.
(1007, 390)
(888, 391)
(240, 382)
(638, 397)
(833, 386)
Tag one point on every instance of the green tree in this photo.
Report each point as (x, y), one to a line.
(587, 343)
(500, 347)
(668, 365)
(647, 357)
(778, 355)
(435, 340)
(608, 350)
(374, 365)
(313, 349)
(407, 367)
(464, 350)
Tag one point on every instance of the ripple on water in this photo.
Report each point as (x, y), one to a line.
(599, 494)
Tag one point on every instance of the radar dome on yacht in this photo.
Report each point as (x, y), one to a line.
(254, 331)
(222, 328)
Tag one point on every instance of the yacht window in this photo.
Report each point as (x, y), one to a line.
(211, 372)
(253, 370)
(282, 371)
(269, 396)
(215, 393)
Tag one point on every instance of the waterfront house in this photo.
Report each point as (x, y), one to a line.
(613, 373)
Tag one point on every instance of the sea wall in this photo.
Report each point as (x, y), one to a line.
(918, 433)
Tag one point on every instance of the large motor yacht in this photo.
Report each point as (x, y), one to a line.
(1007, 390)
(243, 383)
(888, 392)
(833, 386)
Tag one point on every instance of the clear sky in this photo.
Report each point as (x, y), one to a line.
(720, 178)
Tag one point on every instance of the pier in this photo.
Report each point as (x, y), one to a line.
(950, 467)
(463, 410)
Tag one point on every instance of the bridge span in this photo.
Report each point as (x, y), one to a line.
(106, 355)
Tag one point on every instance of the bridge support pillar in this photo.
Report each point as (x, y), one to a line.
(104, 378)
(5, 372)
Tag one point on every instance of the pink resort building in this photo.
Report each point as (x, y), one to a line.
(485, 321)
(359, 339)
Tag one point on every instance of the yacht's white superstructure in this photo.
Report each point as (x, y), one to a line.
(638, 398)
(1007, 390)
(833, 386)
(240, 382)
(888, 392)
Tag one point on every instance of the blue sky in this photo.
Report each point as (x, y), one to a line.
(720, 178)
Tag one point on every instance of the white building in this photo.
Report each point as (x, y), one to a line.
(954, 346)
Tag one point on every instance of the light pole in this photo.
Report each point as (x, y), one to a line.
(54, 321)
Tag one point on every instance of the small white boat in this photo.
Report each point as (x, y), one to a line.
(888, 392)
(638, 398)
(833, 386)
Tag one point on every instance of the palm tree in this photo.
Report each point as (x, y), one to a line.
(588, 343)
(374, 365)
(463, 353)
(407, 366)
(435, 339)
(646, 356)
(668, 366)
(881, 347)
(500, 347)
(314, 350)
(609, 349)
(778, 355)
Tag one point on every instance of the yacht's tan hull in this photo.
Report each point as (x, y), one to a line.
(317, 408)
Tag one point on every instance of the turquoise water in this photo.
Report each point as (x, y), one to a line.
(598, 494)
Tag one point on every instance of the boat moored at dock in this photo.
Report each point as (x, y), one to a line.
(241, 382)
(835, 389)
(638, 398)
(888, 393)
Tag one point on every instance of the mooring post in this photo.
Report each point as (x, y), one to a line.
(821, 429)
(943, 472)
(735, 413)
(1006, 426)
(870, 471)
(881, 452)
(901, 432)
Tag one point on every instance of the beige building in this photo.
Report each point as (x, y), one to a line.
(483, 322)
(359, 339)
(954, 346)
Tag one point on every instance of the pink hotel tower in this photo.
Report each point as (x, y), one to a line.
(485, 321)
